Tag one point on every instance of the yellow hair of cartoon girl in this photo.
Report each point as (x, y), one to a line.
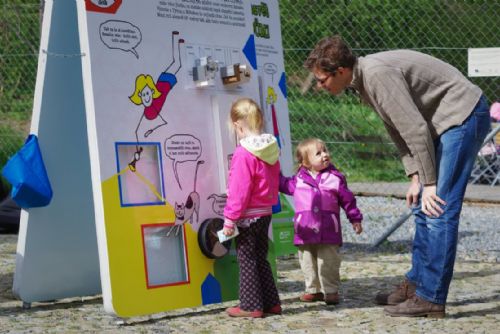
(142, 81)
(271, 95)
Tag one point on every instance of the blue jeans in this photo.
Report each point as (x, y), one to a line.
(435, 242)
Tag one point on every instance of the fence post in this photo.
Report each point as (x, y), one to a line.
(42, 7)
(391, 229)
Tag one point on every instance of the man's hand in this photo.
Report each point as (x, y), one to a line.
(413, 191)
(358, 228)
(431, 201)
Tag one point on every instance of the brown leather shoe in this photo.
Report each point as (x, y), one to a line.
(403, 292)
(416, 307)
(312, 297)
(332, 298)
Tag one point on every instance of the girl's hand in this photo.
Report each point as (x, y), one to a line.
(228, 231)
(430, 202)
(228, 227)
(357, 227)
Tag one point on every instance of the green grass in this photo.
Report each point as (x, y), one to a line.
(11, 139)
(355, 136)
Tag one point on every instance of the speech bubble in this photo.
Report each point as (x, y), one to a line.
(270, 68)
(181, 148)
(120, 35)
(219, 203)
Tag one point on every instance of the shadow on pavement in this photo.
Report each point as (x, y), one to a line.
(477, 313)
(49, 305)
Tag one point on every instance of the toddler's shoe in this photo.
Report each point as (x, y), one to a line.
(332, 298)
(276, 309)
(238, 312)
(312, 297)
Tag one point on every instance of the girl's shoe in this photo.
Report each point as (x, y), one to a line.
(237, 312)
(276, 309)
(312, 297)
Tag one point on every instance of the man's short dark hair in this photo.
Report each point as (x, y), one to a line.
(329, 54)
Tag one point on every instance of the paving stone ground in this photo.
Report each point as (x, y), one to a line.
(473, 304)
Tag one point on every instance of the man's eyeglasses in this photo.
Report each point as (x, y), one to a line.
(322, 81)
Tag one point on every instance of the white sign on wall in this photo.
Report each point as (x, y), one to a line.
(484, 62)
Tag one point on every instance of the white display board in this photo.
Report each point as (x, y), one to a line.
(484, 62)
(132, 123)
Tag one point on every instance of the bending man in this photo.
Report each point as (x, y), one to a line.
(438, 120)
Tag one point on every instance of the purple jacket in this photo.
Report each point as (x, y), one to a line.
(317, 205)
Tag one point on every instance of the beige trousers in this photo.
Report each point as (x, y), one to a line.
(321, 267)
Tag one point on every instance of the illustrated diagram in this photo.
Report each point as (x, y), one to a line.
(271, 99)
(142, 171)
(187, 210)
(218, 203)
(153, 95)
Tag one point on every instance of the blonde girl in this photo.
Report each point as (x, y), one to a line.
(252, 191)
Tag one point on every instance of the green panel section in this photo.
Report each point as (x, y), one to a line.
(283, 229)
(226, 269)
(286, 212)
(283, 238)
(271, 257)
(227, 272)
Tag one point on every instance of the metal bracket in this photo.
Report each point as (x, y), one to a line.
(235, 74)
(204, 71)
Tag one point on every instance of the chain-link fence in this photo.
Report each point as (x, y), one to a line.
(445, 29)
(19, 42)
(355, 135)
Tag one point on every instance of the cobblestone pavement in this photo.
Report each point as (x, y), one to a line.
(473, 305)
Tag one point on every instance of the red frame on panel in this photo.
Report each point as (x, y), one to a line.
(92, 7)
(146, 262)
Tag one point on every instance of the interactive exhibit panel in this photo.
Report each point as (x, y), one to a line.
(131, 110)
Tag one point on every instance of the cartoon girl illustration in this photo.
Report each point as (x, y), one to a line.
(153, 95)
(270, 101)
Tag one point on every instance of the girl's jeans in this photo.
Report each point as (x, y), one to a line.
(435, 242)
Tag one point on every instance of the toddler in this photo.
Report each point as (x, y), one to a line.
(319, 191)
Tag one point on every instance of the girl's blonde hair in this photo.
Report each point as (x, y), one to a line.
(140, 82)
(305, 147)
(247, 110)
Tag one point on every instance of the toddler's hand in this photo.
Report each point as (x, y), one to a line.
(357, 227)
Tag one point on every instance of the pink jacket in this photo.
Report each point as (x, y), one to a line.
(253, 182)
(317, 205)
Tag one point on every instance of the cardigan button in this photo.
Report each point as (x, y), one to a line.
(316, 209)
